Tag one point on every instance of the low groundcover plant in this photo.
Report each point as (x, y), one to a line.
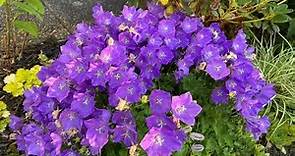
(120, 57)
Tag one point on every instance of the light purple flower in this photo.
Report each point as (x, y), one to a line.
(160, 141)
(185, 109)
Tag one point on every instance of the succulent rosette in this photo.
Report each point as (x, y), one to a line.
(120, 57)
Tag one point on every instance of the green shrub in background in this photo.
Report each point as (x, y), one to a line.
(4, 116)
(277, 63)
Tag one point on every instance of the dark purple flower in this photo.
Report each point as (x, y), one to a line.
(220, 95)
(203, 37)
(130, 92)
(35, 145)
(185, 109)
(83, 103)
(15, 122)
(257, 126)
(97, 134)
(97, 74)
(70, 120)
(166, 28)
(160, 102)
(126, 134)
(190, 25)
(217, 70)
(123, 118)
(165, 55)
(160, 121)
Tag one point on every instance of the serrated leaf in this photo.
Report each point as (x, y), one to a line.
(28, 27)
(281, 18)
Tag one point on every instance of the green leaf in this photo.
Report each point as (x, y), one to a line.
(243, 2)
(27, 26)
(33, 7)
(2, 2)
(282, 9)
(281, 18)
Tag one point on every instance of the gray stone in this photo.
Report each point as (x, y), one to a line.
(62, 15)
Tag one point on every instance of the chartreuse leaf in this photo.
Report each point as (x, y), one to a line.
(28, 27)
(2, 2)
(24, 79)
(4, 116)
(164, 2)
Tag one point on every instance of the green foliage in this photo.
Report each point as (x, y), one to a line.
(277, 63)
(284, 136)
(4, 116)
(263, 14)
(27, 26)
(22, 80)
(18, 9)
(221, 125)
(2, 2)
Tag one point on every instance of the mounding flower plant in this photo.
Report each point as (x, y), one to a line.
(106, 68)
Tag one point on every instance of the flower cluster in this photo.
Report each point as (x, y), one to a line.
(121, 56)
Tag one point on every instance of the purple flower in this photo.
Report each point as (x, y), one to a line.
(130, 92)
(69, 153)
(77, 70)
(166, 28)
(165, 55)
(160, 121)
(217, 70)
(267, 93)
(220, 95)
(59, 89)
(126, 134)
(257, 126)
(160, 141)
(113, 54)
(185, 109)
(97, 134)
(203, 37)
(83, 103)
(57, 142)
(35, 145)
(15, 122)
(130, 13)
(123, 118)
(210, 52)
(97, 74)
(70, 120)
(160, 102)
(190, 25)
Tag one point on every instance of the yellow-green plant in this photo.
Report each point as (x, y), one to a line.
(4, 116)
(22, 80)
